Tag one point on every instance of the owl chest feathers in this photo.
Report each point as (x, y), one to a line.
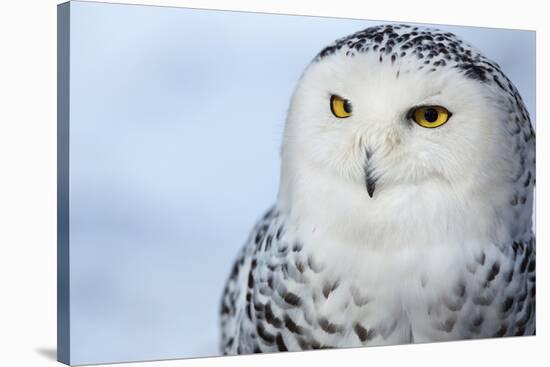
(301, 286)
(398, 267)
(353, 295)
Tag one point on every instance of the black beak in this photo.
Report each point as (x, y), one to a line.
(370, 178)
(370, 181)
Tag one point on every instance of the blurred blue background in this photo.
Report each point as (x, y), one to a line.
(176, 119)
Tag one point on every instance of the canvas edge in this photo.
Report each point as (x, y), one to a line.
(63, 233)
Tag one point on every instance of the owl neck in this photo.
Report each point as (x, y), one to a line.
(330, 207)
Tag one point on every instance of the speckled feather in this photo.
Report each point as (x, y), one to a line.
(277, 295)
(285, 293)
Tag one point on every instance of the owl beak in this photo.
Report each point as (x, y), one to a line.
(370, 182)
(370, 178)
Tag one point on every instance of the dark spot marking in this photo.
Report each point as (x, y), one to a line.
(478, 320)
(292, 326)
(460, 290)
(517, 246)
(304, 344)
(493, 272)
(481, 258)
(300, 266)
(260, 234)
(279, 233)
(229, 342)
(250, 279)
(329, 327)
(259, 307)
(248, 306)
(523, 264)
(364, 334)
(473, 71)
(528, 179)
(507, 305)
(328, 288)
(268, 242)
(509, 276)
(448, 325)
(280, 343)
(264, 334)
(532, 266)
(271, 318)
(497, 80)
(268, 214)
(291, 299)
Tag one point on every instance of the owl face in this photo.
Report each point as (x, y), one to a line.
(412, 117)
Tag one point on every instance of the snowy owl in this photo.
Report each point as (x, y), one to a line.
(404, 206)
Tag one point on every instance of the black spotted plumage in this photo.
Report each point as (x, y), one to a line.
(266, 316)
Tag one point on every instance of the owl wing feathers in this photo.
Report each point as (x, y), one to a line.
(241, 309)
(493, 297)
(268, 303)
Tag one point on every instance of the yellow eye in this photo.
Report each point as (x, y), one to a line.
(430, 116)
(340, 107)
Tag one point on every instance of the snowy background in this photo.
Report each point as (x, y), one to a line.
(176, 121)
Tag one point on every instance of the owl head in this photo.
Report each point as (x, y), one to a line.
(399, 121)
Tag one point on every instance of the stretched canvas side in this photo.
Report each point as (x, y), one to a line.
(63, 96)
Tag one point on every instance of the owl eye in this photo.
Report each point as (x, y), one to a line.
(430, 116)
(340, 107)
